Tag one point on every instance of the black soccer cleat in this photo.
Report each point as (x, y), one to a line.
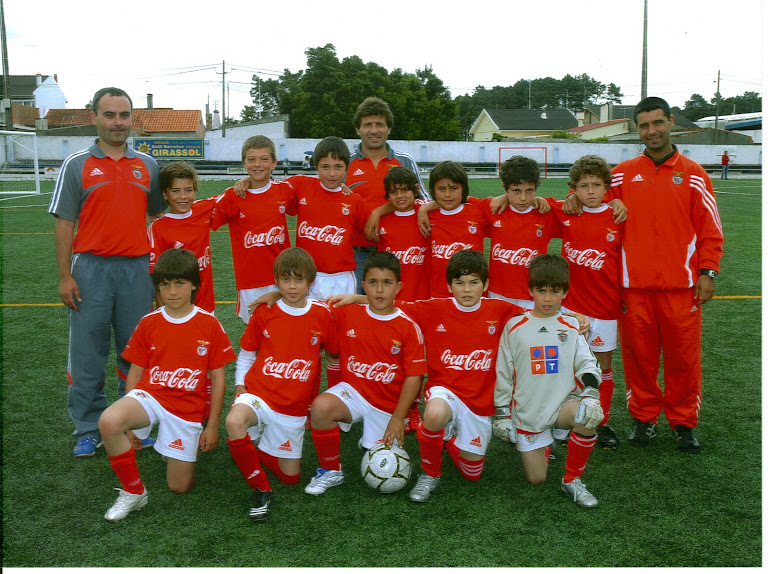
(686, 439)
(261, 505)
(642, 433)
(606, 438)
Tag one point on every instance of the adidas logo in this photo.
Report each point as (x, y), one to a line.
(694, 309)
(266, 333)
(638, 177)
(242, 215)
(543, 330)
(303, 201)
(497, 223)
(254, 473)
(567, 222)
(351, 333)
(178, 245)
(382, 231)
(285, 446)
(598, 342)
(358, 171)
(176, 444)
(476, 442)
(440, 328)
(96, 171)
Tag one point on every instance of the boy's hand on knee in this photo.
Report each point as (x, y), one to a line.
(590, 412)
(209, 439)
(135, 441)
(502, 426)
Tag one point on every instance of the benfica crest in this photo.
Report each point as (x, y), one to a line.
(281, 207)
(562, 335)
(314, 337)
(345, 208)
(539, 230)
(396, 346)
(472, 227)
(137, 173)
(611, 235)
(677, 177)
(202, 348)
(491, 327)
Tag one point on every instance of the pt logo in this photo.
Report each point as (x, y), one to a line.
(544, 360)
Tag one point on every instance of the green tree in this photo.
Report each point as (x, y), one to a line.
(697, 107)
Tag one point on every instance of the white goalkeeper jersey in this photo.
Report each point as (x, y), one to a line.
(540, 363)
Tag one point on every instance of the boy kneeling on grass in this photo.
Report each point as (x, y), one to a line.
(170, 353)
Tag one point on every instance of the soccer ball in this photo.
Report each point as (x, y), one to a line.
(386, 468)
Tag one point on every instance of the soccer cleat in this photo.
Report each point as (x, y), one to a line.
(686, 439)
(125, 504)
(606, 438)
(424, 487)
(148, 442)
(642, 433)
(413, 421)
(261, 505)
(576, 491)
(323, 480)
(86, 447)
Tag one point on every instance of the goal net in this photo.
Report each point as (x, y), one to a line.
(536, 153)
(19, 169)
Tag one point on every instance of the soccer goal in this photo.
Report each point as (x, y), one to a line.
(19, 169)
(537, 153)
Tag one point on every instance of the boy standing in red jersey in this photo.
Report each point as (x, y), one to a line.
(186, 226)
(275, 378)
(592, 246)
(382, 365)
(170, 352)
(258, 231)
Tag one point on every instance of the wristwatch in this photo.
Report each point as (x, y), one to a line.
(709, 272)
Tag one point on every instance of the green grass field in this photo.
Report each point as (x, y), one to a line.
(658, 507)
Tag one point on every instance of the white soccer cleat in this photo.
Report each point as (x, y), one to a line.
(424, 487)
(125, 504)
(323, 480)
(577, 492)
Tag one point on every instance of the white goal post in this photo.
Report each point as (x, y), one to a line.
(538, 153)
(19, 168)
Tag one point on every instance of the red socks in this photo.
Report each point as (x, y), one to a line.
(431, 449)
(606, 393)
(579, 449)
(246, 458)
(124, 466)
(327, 446)
(273, 464)
(469, 469)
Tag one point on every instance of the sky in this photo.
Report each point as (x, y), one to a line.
(174, 50)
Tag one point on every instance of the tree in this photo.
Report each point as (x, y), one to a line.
(697, 107)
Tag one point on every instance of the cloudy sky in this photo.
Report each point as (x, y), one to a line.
(175, 49)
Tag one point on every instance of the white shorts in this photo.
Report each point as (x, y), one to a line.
(327, 284)
(602, 336)
(473, 432)
(247, 296)
(176, 438)
(524, 303)
(375, 420)
(527, 442)
(283, 435)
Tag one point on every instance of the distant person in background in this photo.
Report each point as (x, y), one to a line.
(286, 167)
(106, 191)
(307, 165)
(724, 161)
(371, 161)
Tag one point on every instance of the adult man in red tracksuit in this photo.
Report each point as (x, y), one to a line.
(673, 242)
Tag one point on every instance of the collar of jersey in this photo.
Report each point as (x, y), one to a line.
(452, 212)
(295, 311)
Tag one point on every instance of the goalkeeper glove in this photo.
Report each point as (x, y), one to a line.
(503, 428)
(590, 412)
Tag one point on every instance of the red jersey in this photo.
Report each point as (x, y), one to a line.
(191, 230)
(258, 230)
(399, 234)
(176, 355)
(452, 231)
(288, 341)
(592, 246)
(326, 219)
(462, 343)
(378, 352)
(673, 228)
(516, 238)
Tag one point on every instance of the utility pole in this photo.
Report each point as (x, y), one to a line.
(717, 105)
(644, 79)
(223, 97)
(6, 75)
(529, 94)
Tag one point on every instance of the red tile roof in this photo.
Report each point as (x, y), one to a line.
(595, 126)
(148, 121)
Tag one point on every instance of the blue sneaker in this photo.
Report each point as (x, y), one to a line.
(148, 442)
(86, 447)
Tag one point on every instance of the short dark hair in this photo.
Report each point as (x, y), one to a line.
(589, 165)
(177, 264)
(373, 107)
(331, 146)
(519, 169)
(466, 262)
(399, 175)
(549, 270)
(177, 170)
(109, 92)
(452, 170)
(295, 262)
(382, 260)
(258, 142)
(652, 103)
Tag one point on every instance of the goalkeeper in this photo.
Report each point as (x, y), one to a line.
(546, 382)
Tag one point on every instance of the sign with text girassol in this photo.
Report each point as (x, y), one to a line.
(170, 149)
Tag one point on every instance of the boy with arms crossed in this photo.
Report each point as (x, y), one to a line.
(540, 353)
(170, 352)
(382, 365)
(275, 375)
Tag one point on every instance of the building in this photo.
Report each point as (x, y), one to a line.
(30, 97)
(520, 123)
(156, 122)
(601, 129)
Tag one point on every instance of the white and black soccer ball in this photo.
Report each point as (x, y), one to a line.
(386, 468)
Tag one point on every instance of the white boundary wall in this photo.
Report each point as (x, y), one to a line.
(56, 148)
